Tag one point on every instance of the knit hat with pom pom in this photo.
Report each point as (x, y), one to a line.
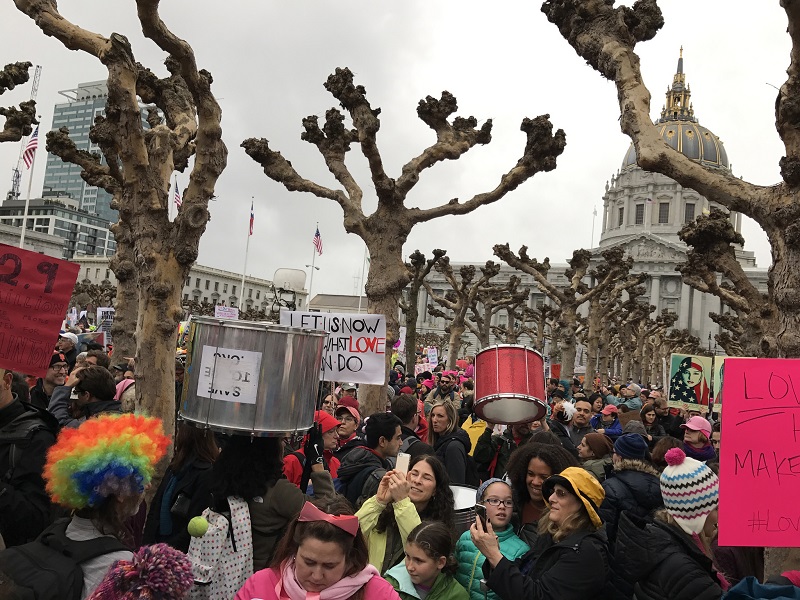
(690, 490)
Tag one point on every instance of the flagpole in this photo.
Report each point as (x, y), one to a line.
(594, 218)
(246, 251)
(27, 203)
(361, 288)
(313, 268)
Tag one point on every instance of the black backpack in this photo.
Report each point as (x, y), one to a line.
(472, 478)
(49, 568)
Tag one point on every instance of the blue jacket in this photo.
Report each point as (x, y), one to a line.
(444, 588)
(613, 431)
(470, 560)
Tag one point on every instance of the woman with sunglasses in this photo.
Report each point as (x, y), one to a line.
(495, 495)
(569, 560)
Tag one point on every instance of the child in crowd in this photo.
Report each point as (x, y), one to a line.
(607, 422)
(495, 494)
(427, 573)
(697, 439)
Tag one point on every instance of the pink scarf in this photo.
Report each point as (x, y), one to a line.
(289, 589)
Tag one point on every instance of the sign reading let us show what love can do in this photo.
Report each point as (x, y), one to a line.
(760, 453)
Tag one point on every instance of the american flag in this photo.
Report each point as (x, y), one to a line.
(30, 148)
(178, 200)
(318, 242)
(252, 217)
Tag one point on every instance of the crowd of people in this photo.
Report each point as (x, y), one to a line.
(611, 494)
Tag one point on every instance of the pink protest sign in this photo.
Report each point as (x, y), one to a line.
(760, 453)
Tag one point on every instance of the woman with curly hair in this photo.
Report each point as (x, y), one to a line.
(100, 470)
(528, 468)
(402, 502)
(322, 555)
(252, 469)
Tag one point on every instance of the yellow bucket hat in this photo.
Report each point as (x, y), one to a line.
(583, 485)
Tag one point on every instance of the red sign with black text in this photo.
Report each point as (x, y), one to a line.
(34, 297)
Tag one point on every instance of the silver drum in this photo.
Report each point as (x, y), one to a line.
(250, 378)
(464, 507)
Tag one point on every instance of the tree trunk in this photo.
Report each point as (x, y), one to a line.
(567, 345)
(454, 344)
(411, 317)
(126, 307)
(593, 337)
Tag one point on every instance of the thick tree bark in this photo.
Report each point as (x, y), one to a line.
(154, 254)
(19, 121)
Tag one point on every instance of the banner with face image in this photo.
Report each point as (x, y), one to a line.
(690, 382)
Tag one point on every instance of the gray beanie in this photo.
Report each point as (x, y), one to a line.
(486, 484)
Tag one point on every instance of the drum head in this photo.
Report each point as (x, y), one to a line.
(510, 410)
(463, 496)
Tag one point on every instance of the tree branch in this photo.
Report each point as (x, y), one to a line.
(18, 121)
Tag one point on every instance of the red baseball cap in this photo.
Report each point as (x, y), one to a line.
(609, 409)
(326, 420)
(349, 409)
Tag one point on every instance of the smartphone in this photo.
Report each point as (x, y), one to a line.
(480, 511)
(403, 460)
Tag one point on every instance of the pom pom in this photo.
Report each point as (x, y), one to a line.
(674, 457)
(197, 527)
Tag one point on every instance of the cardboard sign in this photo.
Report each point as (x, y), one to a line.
(355, 350)
(433, 356)
(105, 319)
(230, 375)
(690, 382)
(760, 453)
(226, 312)
(34, 298)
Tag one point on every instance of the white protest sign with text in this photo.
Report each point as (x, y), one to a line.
(227, 374)
(226, 312)
(356, 347)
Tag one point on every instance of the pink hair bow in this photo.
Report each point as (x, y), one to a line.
(347, 523)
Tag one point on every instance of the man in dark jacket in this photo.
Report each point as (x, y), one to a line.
(671, 424)
(406, 408)
(26, 433)
(95, 391)
(634, 485)
(363, 468)
(55, 376)
(497, 449)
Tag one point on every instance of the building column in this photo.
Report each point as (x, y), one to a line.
(683, 309)
(655, 292)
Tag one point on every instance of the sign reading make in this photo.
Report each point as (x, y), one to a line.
(356, 347)
(34, 299)
(760, 458)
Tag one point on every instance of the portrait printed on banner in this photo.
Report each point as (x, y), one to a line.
(716, 384)
(690, 382)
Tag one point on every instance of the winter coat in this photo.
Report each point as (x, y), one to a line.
(489, 446)
(576, 434)
(415, 448)
(261, 586)
(194, 482)
(435, 395)
(634, 486)
(656, 432)
(271, 513)
(444, 588)
(344, 449)
(24, 504)
(613, 431)
(598, 467)
(634, 403)
(94, 569)
(663, 562)
(293, 467)
(561, 431)
(356, 461)
(576, 568)
(452, 450)
(671, 424)
(38, 397)
(386, 548)
(59, 407)
(470, 560)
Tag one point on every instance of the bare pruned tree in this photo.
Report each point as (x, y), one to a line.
(489, 301)
(154, 254)
(418, 269)
(386, 230)
(19, 121)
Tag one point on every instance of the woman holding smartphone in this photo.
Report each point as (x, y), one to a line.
(402, 502)
(495, 497)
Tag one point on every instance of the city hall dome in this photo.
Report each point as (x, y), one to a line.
(680, 129)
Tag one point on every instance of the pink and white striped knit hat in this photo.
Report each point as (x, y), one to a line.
(690, 490)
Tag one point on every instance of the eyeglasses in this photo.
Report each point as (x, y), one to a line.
(60, 367)
(497, 502)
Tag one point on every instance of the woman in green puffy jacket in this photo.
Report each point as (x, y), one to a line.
(495, 495)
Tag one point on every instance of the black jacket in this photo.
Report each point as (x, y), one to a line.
(27, 432)
(344, 449)
(358, 460)
(663, 562)
(634, 486)
(563, 435)
(576, 568)
(490, 445)
(194, 482)
(415, 448)
(671, 425)
(452, 450)
(38, 396)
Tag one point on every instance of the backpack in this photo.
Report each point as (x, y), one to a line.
(353, 489)
(20, 430)
(408, 442)
(222, 559)
(49, 568)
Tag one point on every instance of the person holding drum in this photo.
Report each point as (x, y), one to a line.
(528, 468)
(402, 502)
(449, 441)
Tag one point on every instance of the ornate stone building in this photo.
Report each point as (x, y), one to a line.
(643, 212)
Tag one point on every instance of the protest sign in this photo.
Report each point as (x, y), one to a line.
(355, 350)
(34, 298)
(690, 382)
(433, 356)
(228, 374)
(716, 384)
(760, 458)
(226, 312)
(105, 319)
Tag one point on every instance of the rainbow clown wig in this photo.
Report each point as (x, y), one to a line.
(109, 455)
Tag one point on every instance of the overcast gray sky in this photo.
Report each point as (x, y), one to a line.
(502, 60)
